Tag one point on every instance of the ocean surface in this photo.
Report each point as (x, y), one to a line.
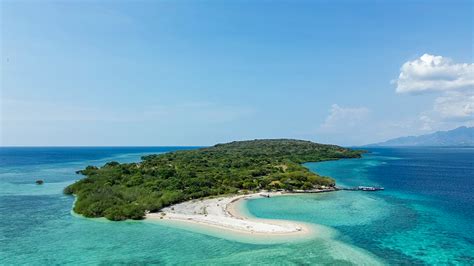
(424, 216)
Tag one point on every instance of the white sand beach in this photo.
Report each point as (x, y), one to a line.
(222, 213)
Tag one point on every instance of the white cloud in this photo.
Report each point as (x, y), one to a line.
(454, 84)
(434, 73)
(344, 117)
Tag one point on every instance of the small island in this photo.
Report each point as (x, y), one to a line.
(132, 190)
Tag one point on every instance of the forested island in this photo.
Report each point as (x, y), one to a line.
(127, 191)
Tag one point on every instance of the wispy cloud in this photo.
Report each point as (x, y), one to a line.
(339, 122)
(199, 112)
(456, 105)
(155, 124)
(202, 112)
(344, 117)
(17, 110)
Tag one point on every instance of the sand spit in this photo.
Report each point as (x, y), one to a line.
(223, 213)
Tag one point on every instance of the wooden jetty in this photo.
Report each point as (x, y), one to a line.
(361, 188)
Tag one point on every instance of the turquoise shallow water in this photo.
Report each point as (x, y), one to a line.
(404, 224)
(428, 205)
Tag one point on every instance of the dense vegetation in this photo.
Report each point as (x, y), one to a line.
(126, 191)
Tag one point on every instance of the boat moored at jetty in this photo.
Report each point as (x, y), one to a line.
(361, 188)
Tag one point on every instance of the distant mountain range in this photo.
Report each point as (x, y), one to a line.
(461, 136)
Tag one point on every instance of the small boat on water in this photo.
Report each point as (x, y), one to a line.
(39, 182)
(265, 195)
(364, 188)
(361, 188)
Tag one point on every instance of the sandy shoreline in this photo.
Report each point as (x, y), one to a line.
(223, 213)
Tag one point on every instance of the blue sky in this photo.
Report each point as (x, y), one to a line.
(204, 72)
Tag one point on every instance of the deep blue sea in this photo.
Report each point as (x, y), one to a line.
(424, 216)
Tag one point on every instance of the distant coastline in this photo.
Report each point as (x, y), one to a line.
(458, 137)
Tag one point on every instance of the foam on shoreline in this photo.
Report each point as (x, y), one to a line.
(224, 217)
(227, 216)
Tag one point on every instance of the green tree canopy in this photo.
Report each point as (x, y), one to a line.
(126, 191)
